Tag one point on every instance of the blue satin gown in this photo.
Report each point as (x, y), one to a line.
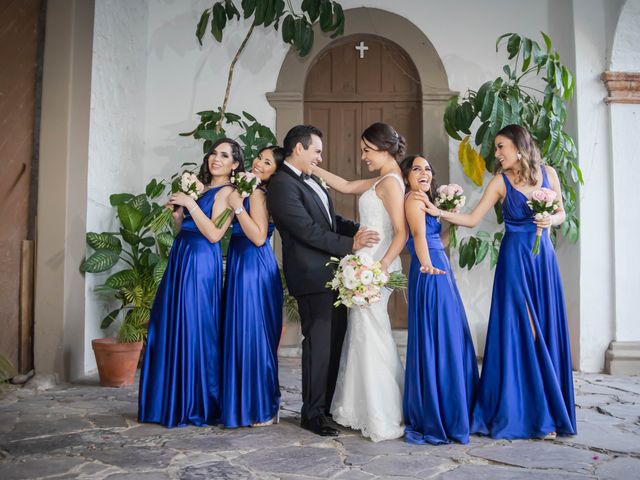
(252, 329)
(442, 372)
(180, 379)
(526, 388)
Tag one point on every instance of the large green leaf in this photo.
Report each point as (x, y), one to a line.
(109, 319)
(326, 15)
(120, 198)
(202, 25)
(248, 7)
(104, 240)
(141, 204)
(159, 268)
(130, 237)
(123, 278)
(129, 217)
(100, 261)
(165, 239)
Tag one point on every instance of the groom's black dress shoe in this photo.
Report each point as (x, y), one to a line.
(319, 425)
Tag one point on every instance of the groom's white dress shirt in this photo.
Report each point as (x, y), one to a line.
(316, 188)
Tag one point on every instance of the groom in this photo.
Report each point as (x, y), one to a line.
(312, 233)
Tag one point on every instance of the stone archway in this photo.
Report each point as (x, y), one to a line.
(623, 85)
(288, 98)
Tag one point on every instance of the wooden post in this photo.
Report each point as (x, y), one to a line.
(25, 355)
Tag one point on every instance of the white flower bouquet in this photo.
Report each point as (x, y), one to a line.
(187, 183)
(245, 183)
(450, 198)
(359, 280)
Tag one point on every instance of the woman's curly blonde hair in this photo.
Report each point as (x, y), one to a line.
(529, 162)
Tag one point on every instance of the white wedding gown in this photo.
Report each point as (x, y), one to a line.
(368, 395)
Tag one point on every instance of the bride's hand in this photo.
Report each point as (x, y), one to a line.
(431, 270)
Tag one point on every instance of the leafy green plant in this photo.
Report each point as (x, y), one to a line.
(296, 29)
(137, 253)
(254, 137)
(510, 99)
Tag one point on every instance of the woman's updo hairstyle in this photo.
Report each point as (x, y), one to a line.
(385, 138)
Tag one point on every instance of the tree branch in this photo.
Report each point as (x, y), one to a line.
(230, 78)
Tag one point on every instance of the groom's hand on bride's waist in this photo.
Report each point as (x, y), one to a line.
(365, 237)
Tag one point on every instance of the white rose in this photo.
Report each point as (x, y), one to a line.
(350, 283)
(359, 300)
(463, 200)
(383, 278)
(366, 277)
(449, 197)
(349, 273)
(549, 204)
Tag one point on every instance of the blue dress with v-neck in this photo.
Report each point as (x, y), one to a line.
(181, 373)
(526, 386)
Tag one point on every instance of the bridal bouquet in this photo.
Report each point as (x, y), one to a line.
(359, 280)
(245, 183)
(187, 183)
(450, 198)
(544, 204)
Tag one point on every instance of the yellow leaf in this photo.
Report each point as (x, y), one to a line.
(472, 162)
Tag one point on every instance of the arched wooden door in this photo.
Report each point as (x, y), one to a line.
(359, 80)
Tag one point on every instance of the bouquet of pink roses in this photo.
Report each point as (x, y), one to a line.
(359, 280)
(245, 183)
(187, 183)
(543, 203)
(450, 198)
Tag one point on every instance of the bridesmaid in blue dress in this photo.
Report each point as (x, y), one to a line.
(441, 372)
(181, 373)
(526, 388)
(253, 308)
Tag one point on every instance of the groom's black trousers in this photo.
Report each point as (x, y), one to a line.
(323, 328)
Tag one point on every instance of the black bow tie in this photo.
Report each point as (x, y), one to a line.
(305, 176)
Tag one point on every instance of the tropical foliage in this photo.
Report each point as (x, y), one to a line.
(139, 255)
(296, 29)
(533, 92)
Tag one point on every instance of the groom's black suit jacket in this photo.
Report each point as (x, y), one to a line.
(309, 239)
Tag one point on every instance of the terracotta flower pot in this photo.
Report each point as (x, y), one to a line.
(117, 362)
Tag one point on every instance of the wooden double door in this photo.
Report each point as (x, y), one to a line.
(344, 95)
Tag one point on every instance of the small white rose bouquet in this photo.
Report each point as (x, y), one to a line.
(245, 183)
(187, 183)
(359, 280)
(450, 198)
(544, 204)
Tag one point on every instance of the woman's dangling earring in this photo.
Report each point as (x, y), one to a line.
(519, 156)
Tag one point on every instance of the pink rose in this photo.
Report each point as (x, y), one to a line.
(551, 194)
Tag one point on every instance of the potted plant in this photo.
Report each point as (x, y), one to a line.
(137, 257)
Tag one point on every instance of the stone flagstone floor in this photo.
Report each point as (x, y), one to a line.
(87, 431)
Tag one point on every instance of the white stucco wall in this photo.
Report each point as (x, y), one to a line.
(116, 132)
(151, 76)
(594, 23)
(183, 78)
(625, 145)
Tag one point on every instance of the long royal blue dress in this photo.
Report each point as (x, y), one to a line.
(526, 388)
(442, 372)
(180, 379)
(252, 328)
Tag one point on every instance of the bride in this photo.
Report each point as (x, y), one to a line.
(368, 395)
